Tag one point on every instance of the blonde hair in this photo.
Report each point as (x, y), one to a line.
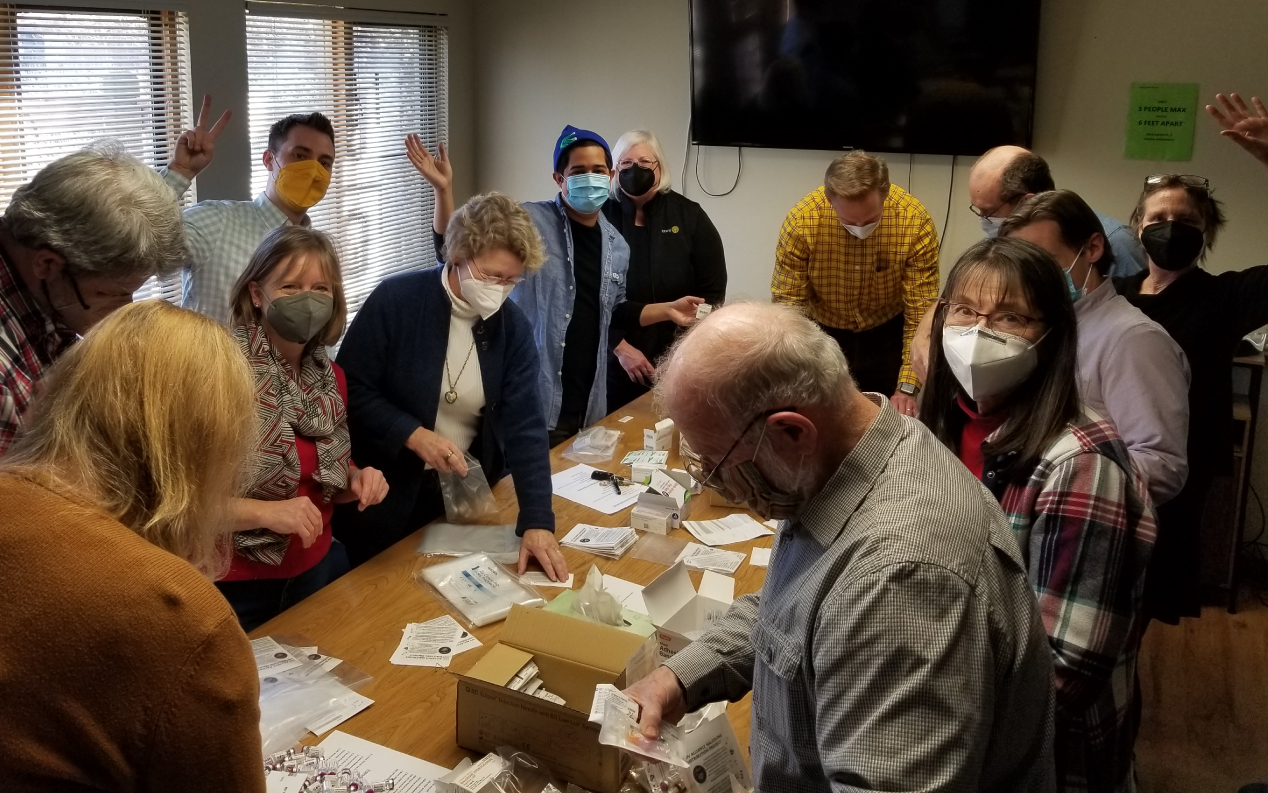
(855, 174)
(281, 248)
(633, 138)
(493, 221)
(149, 419)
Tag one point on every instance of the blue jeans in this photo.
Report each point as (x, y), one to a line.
(260, 600)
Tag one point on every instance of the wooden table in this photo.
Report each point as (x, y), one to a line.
(360, 617)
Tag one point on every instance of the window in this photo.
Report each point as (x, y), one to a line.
(69, 77)
(377, 84)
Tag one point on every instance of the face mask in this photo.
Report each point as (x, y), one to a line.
(302, 184)
(1172, 245)
(991, 225)
(484, 297)
(1079, 291)
(637, 180)
(586, 192)
(301, 316)
(862, 232)
(744, 483)
(987, 363)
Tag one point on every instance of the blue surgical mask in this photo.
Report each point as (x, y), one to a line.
(586, 192)
(1079, 291)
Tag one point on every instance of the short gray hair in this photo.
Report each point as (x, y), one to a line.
(103, 211)
(631, 139)
(747, 358)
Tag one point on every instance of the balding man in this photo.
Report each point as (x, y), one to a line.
(896, 644)
(1006, 175)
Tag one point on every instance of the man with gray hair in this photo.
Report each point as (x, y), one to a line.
(75, 243)
(896, 644)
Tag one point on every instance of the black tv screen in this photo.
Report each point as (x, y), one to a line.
(921, 76)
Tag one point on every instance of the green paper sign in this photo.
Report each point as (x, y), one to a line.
(1161, 121)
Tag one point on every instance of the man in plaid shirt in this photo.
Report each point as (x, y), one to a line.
(860, 256)
(75, 243)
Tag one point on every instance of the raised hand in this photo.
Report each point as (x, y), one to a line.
(1246, 128)
(438, 171)
(196, 147)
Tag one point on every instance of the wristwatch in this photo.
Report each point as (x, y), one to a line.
(909, 389)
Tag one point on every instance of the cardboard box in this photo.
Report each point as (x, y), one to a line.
(660, 439)
(573, 656)
(655, 519)
(679, 613)
(642, 472)
(670, 497)
(640, 624)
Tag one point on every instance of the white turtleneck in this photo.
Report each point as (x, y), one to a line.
(460, 421)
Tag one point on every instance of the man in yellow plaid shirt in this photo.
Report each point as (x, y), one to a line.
(860, 255)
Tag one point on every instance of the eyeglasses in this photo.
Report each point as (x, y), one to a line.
(1187, 180)
(499, 281)
(958, 315)
(645, 162)
(696, 465)
(991, 214)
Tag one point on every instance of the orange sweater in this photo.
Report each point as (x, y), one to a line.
(121, 667)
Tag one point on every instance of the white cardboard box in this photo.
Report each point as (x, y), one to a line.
(660, 439)
(657, 520)
(670, 497)
(679, 613)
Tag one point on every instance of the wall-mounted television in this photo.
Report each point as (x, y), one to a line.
(921, 76)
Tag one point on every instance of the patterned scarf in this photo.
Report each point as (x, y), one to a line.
(312, 407)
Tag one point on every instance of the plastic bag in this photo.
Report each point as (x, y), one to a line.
(476, 590)
(594, 445)
(451, 539)
(310, 693)
(523, 773)
(621, 731)
(595, 603)
(467, 498)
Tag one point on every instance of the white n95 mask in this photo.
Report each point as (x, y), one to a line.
(988, 363)
(862, 232)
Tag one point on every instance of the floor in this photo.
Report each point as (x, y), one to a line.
(1205, 690)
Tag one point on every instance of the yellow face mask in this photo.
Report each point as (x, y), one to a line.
(302, 184)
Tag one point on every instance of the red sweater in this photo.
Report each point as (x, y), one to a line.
(976, 430)
(298, 559)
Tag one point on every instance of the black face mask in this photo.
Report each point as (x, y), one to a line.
(637, 180)
(1172, 245)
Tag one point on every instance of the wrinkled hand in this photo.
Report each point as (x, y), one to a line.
(438, 171)
(1245, 128)
(635, 363)
(369, 487)
(196, 147)
(683, 310)
(904, 403)
(920, 345)
(541, 545)
(661, 697)
(297, 516)
(440, 453)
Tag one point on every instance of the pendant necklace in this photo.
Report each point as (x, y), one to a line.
(451, 396)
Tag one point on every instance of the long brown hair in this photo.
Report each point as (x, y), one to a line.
(149, 419)
(1041, 407)
(280, 249)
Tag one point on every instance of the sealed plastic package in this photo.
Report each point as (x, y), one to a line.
(594, 445)
(467, 498)
(477, 590)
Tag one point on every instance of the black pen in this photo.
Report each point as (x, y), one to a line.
(616, 486)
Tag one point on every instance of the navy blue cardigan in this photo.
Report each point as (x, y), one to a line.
(394, 358)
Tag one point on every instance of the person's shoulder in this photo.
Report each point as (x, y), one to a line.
(811, 205)
(1089, 441)
(1234, 280)
(906, 204)
(406, 288)
(215, 209)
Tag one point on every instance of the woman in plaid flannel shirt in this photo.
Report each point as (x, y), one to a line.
(1002, 392)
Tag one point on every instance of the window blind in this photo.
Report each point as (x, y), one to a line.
(376, 83)
(69, 77)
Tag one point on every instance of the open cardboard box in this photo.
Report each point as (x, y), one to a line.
(679, 613)
(573, 656)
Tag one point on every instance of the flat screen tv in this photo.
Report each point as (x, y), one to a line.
(920, 76)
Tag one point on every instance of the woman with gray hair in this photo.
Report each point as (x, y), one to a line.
(75, 243)
(675, 251)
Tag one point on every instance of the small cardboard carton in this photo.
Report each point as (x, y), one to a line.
(573, 656)
(679, 612)
(666, 504)
(660, 439)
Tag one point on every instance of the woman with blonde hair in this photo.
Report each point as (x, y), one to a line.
(123, 668)
(440, 365)
(287, 305)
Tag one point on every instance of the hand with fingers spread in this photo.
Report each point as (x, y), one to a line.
(437, 170)
(196, 147)
(438, 452)
(635, 363)
(541, 545)
(1246, 128)
(661, 698)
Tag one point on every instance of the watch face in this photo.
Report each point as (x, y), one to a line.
(908, 389)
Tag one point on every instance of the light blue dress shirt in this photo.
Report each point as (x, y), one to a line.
(1129, 255)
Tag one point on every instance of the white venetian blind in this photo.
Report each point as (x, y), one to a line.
(376, 83)
(69, 77)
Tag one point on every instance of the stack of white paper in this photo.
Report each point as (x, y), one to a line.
(612, 543)
(433, 643)
(725, 531)
(704, 558)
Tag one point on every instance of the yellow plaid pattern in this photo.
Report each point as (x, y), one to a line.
(852, 284)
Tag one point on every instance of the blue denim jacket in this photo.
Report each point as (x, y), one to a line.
(547, 295)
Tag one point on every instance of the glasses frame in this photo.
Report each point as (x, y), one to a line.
(692, 460)
(624, 164)
(498, 281)
(945, 305)
(991, 214)
(1186, 179)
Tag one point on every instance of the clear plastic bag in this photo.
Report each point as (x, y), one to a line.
(595, 603)
(467, 498)
(294, 698)
(476, 590)
(619, 730)
(594, 445)
(451, 539)
(523, 773)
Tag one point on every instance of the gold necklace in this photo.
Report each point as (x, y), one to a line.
(451, 396)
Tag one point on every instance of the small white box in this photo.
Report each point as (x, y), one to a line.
(679, 613)
(703, 310)
(642, 472)
(653, 519)
(660, 439)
